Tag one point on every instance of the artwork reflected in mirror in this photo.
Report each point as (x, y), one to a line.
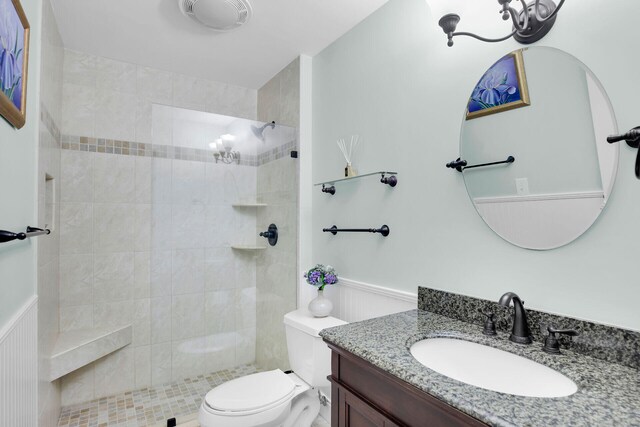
(14, 55)
(564, 169)
(503, 87)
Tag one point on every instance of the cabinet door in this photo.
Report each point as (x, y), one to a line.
(354, 412)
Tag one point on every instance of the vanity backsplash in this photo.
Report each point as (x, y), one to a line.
(603, 342)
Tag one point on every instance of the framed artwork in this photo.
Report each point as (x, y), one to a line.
(503, 87)
(14, 59)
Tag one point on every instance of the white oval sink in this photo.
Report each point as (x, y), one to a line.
(490, 368)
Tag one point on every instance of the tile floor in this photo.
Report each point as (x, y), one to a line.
(152, 406)
(148, 407)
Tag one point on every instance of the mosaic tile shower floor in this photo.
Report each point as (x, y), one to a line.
(148, 407)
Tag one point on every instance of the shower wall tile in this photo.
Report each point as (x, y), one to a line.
(76, 179)
(246, 308)
(76, 317)
(105, 98)
(231, 100)
(155, 85)
(290, 94)
(223, 351)
(79, 68)
(161, 181)
(112, 314)
(184, 361)
(277, 186)
(113, 176)
(113, 277)
(142, 228)
(108, 384)
(161, 271)
(115, 75)
(145, 239)
(143, 180)
(76, 386)
(220, 311)
(187, 271)
(187, 316)
(246, 346)
(115, 115)
(141, 322)
(78, 110)
(188, 183)
(76, 279)
(161, 320)
(161, 225)
(161, 363)
(142, 366)
(189, 92)
(113, 227)
(188, 223)
(142, 275)
(220, 269)
(76, 228)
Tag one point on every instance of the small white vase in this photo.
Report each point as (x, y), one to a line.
(320, 306)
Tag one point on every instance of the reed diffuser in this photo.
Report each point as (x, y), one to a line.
(347, 152)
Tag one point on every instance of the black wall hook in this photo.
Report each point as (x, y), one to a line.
(633, 140)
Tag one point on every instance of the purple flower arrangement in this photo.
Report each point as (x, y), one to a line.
(321, 276)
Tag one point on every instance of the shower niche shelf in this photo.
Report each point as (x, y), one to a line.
(386, 177)
(247, 248)
(249, 205)
(75, 349)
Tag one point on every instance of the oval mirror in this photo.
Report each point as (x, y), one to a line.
(545, 117)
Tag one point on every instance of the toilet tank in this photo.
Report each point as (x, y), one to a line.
(309, 356)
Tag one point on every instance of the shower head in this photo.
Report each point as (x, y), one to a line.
(259, 131)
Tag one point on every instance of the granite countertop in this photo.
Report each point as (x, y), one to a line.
(608, 393)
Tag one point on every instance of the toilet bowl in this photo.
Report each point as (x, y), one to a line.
(273, 398)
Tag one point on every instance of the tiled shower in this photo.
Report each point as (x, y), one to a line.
(149, 219)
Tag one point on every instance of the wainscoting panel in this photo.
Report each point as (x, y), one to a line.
(19, 368)
(361, 301)
(543, 221)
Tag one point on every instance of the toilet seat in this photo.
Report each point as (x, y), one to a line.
(250, 394)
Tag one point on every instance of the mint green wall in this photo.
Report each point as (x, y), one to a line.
(393, 80)
(18, 192)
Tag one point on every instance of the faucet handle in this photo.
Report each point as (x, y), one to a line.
(551, 344)
(489, 323)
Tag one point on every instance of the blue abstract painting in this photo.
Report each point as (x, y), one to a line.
(11, 53)
(502, 87)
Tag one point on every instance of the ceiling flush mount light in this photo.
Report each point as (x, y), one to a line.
(223, 147)
(219, 15)
(530, 24)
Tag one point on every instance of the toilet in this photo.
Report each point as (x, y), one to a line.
(273, 398)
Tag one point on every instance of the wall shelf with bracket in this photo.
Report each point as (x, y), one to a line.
(247, 248)
(249, 205)
(386, 177)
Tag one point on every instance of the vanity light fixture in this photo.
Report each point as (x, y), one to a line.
(223, 147)
(530, 24)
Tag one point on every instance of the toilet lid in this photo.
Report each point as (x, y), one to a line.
(251, 392)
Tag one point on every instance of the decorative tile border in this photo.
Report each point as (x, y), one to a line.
(603, 342)
(128, 148)
(49, 123)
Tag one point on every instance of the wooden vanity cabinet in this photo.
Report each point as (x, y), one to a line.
(364, 395)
